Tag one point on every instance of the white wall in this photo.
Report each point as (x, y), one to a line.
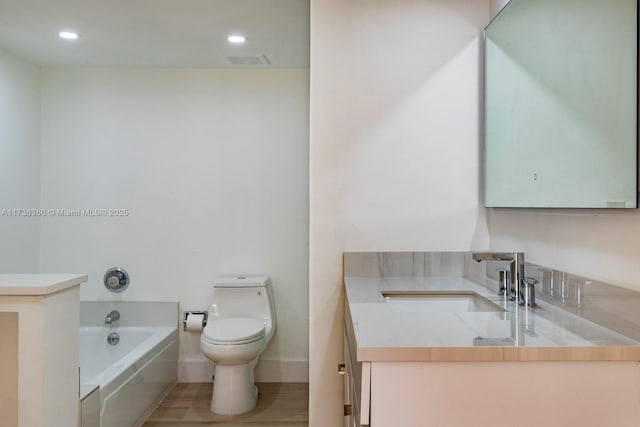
(212, 166)
(603, 245)
(19, 163)
(395, 149)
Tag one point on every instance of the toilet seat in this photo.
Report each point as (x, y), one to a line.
(233, 331)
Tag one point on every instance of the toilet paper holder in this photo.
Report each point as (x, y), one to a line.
(186, 314)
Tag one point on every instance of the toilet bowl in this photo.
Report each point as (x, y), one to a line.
(241, 324)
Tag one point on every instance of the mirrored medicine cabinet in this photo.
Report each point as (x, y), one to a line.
(560, 116)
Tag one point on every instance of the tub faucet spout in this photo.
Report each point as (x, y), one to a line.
(111, 317)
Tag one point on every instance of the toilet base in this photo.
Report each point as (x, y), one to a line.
(234, 390)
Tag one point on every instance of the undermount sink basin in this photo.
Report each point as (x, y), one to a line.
(439, 301)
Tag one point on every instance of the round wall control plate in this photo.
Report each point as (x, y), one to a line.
(116, 279)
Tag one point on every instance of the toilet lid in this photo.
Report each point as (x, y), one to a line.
(234, 329)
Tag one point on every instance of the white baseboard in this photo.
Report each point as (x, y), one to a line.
(267, 371)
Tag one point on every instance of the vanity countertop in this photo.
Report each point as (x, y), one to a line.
(390, 333)
(38, 284)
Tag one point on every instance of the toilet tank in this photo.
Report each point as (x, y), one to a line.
(243, 296)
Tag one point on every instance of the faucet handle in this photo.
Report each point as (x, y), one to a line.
(504, 280)
(528, 292)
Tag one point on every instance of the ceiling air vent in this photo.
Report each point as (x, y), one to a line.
(249, 60)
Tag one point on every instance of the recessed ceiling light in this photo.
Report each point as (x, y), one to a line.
(68, 35)
(237, 39)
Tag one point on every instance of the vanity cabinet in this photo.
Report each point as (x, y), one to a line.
(487, 386)
(461, 394)
(434, 364)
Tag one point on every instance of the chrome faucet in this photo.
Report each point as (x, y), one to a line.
(111, 317)
(516, 269)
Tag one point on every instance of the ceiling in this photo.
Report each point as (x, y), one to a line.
(156, 33)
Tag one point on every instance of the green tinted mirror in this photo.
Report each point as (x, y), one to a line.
(561, 104)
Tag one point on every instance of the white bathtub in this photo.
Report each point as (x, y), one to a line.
(133, 375)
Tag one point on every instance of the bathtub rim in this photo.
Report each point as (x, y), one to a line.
(131, 361)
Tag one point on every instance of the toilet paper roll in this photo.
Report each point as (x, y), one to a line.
(195, 322)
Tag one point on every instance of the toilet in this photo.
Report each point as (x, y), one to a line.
(241, 322)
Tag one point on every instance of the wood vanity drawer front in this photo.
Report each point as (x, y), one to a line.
(352, 385)
(365, 396)
(348, 386)
(355, 417)
(360, 379)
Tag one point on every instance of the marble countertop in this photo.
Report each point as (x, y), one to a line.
(386, 332)
(38, 284)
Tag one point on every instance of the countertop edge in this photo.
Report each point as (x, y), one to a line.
(69, 281)
(614, 353)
